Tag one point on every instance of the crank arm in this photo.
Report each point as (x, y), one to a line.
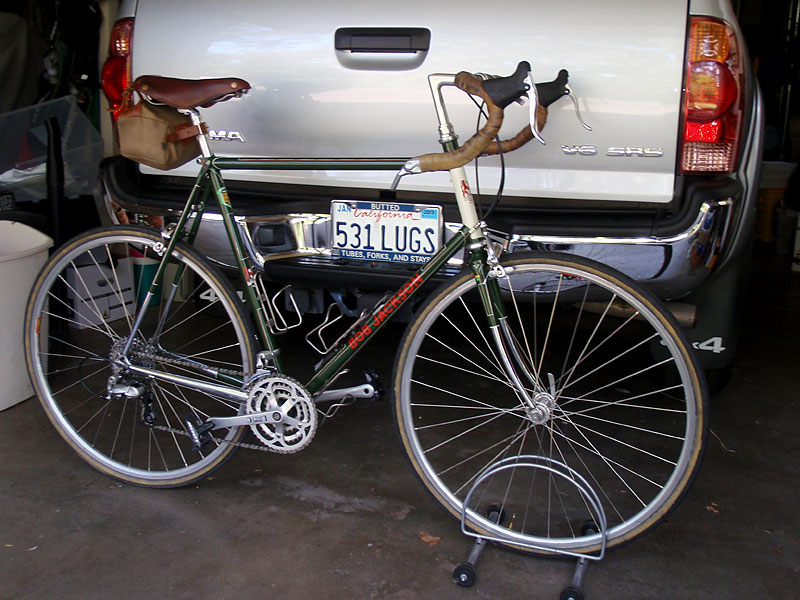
(268, 417)
(365, 390)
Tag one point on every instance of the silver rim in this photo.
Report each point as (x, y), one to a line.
(83, 313)
(624, 413)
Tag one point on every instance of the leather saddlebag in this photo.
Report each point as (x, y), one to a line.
(155, 135)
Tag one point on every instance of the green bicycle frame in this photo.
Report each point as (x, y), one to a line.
(209, 180)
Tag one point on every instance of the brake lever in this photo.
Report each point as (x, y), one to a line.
(574, 99)
(533, 97)
(410, 168)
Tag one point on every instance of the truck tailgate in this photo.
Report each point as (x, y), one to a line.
(308, 99)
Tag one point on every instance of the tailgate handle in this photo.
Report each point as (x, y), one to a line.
(383, 39)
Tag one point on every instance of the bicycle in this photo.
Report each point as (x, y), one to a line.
(522, 354)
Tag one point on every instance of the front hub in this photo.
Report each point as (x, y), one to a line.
(542, 409)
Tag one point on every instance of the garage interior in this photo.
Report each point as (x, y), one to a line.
(346, 517)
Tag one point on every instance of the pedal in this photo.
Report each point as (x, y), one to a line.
(199, 431)
(147, 415)
(376, 383)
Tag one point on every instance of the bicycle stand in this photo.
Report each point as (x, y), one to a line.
(465, 573)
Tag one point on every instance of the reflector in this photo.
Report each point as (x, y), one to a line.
(114, 79)
(703, 132)
(711, 91)
(709, 41)
(712, 98)
(120, 41)
(115, 74)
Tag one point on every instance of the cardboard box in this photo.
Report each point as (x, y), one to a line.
(97, 296)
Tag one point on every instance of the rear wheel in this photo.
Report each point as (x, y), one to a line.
(619, 399)
(78, 322)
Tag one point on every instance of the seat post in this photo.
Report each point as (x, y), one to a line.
(202, 138)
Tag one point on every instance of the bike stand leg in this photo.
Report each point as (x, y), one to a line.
(574, 591)
(465, 574)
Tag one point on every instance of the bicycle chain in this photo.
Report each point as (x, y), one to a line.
(259, 447)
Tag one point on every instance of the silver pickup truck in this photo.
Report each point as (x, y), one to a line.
(662, 187)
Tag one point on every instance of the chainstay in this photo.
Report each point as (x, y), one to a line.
(189, 364)
(174, 431)
(184, 363)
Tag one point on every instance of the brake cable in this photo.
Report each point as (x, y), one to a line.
(500, 188)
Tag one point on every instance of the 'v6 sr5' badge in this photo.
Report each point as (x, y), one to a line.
(589, 150)
(635, 151)
(584, 150)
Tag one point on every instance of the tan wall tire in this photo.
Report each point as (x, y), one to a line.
(82, 329)
(636, 431)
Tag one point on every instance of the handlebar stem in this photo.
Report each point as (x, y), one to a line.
(437, 81)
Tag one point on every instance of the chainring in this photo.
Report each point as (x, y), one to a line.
(292, 421)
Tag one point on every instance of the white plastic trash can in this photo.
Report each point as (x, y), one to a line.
(23, 251)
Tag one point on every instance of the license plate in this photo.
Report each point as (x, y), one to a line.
(386, 231)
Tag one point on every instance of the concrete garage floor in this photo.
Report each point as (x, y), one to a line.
(346, 518)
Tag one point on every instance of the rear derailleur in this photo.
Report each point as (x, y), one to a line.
(121, 388)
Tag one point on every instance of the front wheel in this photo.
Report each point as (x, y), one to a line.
(618, 395)
(78, 322)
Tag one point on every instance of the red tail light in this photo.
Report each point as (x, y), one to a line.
(713, 98)
(115, 76)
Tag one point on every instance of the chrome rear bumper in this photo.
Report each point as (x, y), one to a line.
(670, 266)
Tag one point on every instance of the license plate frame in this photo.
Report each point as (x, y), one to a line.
(395, 232)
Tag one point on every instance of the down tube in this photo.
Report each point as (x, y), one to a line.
(363, 332)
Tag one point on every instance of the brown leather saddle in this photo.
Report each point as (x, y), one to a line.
(189, 93)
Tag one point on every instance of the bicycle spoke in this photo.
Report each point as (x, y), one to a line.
(504, 382)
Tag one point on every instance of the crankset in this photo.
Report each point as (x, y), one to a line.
(279, 411)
